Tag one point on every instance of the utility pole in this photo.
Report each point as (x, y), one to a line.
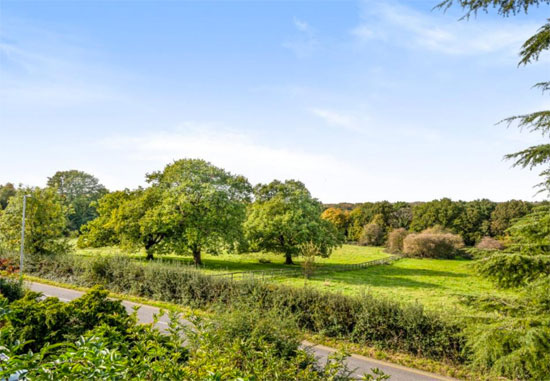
(22, 238)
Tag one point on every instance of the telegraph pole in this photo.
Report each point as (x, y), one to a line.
(22, 238)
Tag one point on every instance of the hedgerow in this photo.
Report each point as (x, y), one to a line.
(93, 338)
(362, 319)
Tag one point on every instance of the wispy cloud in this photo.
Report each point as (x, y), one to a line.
(305, 43)
(401, 25)
(238, 153)
(337, 118)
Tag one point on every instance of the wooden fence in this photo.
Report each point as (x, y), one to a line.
(298, 272)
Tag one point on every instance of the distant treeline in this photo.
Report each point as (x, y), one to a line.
(472, 220)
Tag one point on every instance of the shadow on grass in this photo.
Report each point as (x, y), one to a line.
(389, 276)
(222, 264)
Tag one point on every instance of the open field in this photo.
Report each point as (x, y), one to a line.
(347, 254)
(439, 285)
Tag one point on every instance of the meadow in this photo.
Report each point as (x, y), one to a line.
(440, 285)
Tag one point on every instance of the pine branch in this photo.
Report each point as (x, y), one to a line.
(531, 49)
(531, 157)
(504, 8)
(536, 121)
(544, 86)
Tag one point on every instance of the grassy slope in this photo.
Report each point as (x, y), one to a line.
(437, 284)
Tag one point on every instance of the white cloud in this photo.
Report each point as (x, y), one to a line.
(401, 25)
(335, 118)
(239, 153)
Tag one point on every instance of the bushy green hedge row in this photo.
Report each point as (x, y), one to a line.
(362, 319)
(93, 338)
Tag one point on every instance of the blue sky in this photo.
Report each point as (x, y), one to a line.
(362, 101)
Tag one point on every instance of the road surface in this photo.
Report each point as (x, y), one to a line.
(361, 364)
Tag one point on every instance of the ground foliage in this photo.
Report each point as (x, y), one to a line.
(93, 338)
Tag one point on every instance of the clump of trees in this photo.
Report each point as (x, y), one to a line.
(189, 207)
(78, 191)
(193, 206)
(371, 223)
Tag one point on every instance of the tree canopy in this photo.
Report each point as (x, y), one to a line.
(6, 191)
(190, 206)
(78, 190)
(285, 216)
(45, 222)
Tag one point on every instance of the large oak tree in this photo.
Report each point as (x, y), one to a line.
(285, 216)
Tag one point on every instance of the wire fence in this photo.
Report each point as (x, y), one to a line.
(298, 272)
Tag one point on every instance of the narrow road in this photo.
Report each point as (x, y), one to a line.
(361, 364)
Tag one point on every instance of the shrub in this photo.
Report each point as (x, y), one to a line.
(11, 289)
(37, 321)
(244, 344)
(432, 245)
(372, 235)
(394, 244)
(489, 243)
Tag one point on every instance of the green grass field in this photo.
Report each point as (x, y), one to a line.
(347, 254)
(439, 285)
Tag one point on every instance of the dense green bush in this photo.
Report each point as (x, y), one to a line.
(37, 321)
(11, 289)
(251, 346)
(364, 319)
(430, 244)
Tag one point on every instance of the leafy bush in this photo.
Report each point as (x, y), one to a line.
(489, 243)
(432, 245)
(11, 289)
(513, 270)
(236, 345)
(37, 321)
(372, 235)
(394, 244)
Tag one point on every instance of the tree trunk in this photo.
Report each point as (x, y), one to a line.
(197, 256)
(288, 259)
(149, 254)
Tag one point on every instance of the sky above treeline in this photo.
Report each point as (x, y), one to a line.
(362, 101)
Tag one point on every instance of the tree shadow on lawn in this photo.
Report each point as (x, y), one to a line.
(388, 276)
